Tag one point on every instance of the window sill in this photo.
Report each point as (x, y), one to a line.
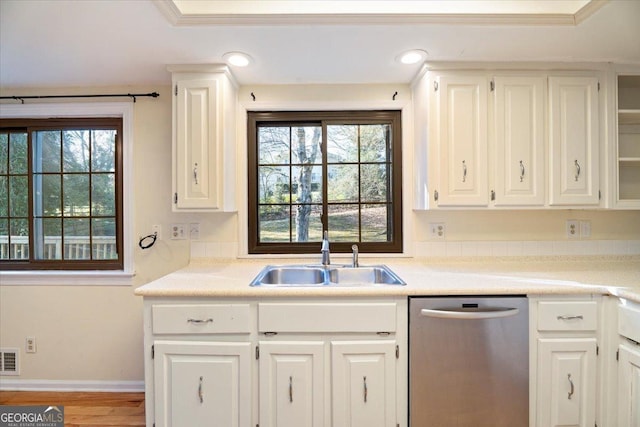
(66, 278)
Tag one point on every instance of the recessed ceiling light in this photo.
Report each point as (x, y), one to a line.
(237, 59)
(412, 56)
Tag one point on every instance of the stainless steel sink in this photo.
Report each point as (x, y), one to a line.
(314, 275)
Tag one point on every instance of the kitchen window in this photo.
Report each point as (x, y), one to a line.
(61, 194)
(338, 171)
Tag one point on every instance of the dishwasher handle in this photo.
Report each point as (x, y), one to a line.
(489, 313)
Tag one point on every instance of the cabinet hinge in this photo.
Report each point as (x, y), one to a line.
(397, 352)
(257, 352)
(598, 86)
(617, 355)
(175, 91)
(175, 198)
(599, 195)
(435, 195)
(153, 351)
(435, 86)
(493, 195)
(492, 85)
(597, 350)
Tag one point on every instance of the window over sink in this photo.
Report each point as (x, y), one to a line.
(338, 171)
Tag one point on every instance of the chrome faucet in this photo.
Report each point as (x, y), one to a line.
(325, 249)
(354, 248)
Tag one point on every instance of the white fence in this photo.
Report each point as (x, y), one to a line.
(74, 247)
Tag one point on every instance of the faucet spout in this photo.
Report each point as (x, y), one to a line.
(325, 249)
(355, 263)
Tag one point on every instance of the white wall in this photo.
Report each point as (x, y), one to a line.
(94, 333)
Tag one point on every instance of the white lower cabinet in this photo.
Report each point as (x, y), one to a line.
(629, 386)
(202, 383)
(567, 386)
(363, 380)
(292, 384)
(564, 342)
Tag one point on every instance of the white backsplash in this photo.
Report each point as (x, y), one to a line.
(228, 250)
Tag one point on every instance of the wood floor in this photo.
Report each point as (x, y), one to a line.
(86, 409)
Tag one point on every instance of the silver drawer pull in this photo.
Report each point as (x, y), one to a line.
(521, 171)
(464, 171)
(572, 389)
(199, 321)
(290, 389)
(366, 390)
(580, 317)
(577, 165)
(200, 395)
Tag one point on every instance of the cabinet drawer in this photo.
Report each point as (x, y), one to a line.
(327, 317)
(567, 315)
(201, 318)
(629, 321)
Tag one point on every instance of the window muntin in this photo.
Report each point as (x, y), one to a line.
(68, 213)
(311, 171)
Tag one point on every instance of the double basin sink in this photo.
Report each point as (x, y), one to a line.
(330, 275)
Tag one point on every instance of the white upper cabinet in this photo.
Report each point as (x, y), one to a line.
(204, 103)
(519, 140)
(461, 138)
(627, 180)
(574, 141)
(507, 139)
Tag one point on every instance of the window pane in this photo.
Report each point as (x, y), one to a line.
(103, 194)
(342, 143)
(48, 200)
(48, 238)
(76, 195)
(274, 223)
(344, 224)
(75, 150)
(19, 239)
(342, 183)
(18, 153)
(76, 239)
(308, 226)
(273, 184)
(4, 196)
(373, 143)
(103, 150)
(46, 148)
(273, 145)
(4, 152)
(18, 196)
(307, 184)
(4, 238)
(374, 223)
(373, 182)
(305, 145)
(104, 238)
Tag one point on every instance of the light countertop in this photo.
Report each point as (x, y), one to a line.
(618, 276)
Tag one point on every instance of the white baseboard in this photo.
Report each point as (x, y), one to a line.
(66, 385)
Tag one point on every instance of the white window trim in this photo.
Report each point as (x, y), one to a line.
(98, 277)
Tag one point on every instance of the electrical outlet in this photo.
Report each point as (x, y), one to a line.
(573, 229)
(437, 230)
(30, 344)
(177, 232)
(585, 229)
(156, 228)
(194, 231)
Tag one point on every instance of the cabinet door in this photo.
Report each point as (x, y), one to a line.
(292, 384)
(202, 383)
(519, 133)
(566, 382)
(363, 383)
(574, 140)
(629, 386)
(462, 140)
(196, 142)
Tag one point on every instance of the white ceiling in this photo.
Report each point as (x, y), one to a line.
(50, 43)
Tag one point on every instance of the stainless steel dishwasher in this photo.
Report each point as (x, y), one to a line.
(469, 362)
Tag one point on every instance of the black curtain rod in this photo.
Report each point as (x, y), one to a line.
(130, 95)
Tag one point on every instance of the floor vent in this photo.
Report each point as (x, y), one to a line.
(9, 363)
